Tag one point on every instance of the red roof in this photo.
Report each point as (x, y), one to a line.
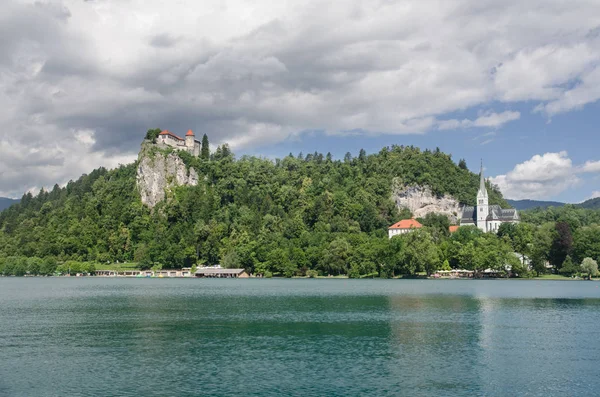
(166, 132)
(406, 224)
(452, 229)
(190, 133)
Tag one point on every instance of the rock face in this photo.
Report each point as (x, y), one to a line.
(157, 173)
(421, 201)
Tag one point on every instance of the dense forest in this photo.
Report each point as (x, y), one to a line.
(300, 215)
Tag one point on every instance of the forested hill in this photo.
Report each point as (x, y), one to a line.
(591, 204)
(522, 205)
(6, 202)
(248, 212)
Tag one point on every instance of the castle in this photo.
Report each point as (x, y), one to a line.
(189, 143)
(487, 217)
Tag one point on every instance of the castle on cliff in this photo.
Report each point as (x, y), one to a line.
(487, 217)
(189, 144)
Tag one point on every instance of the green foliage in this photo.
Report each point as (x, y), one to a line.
(288, 217)
(205, 150)
(568, 267)
(589, 267)
(152, 134)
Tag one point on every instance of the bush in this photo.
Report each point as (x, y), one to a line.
(312, 273)
(268, 274)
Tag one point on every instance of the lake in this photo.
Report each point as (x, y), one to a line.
(298, 337)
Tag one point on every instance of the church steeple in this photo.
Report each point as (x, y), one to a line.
(482, 189)
(482, 202)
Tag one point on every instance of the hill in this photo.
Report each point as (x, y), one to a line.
(7, 202)
(591, 204)
(522, 205)
(281, 215)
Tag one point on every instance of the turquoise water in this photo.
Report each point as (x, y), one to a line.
(178, 337)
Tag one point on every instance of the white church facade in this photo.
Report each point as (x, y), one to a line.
(487, 217)
(189, 143)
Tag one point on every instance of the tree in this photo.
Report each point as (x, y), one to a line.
(439, 225)
(522, 240)
(586, 243)
(462, 164)
(568, 267)
(152, 134)
(336, 257)
(562, 245)
(589, 267)
(421, 253)
(205, 150)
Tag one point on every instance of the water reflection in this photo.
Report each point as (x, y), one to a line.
(297, 337)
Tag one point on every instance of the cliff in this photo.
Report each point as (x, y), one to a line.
(421, 201)
(158, 171)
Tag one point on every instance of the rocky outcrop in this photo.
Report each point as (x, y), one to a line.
(421, 201)
(158, 172)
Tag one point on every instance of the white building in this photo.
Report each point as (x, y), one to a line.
(403, 227)
(189, 143)
(487, 217)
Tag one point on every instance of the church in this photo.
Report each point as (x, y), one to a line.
(487, 217)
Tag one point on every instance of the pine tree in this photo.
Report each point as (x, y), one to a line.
(205, 151)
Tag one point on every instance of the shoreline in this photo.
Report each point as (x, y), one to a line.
(323, 278)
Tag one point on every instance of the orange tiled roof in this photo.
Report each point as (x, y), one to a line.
(190, 133)
(453, 228)
(406, 224)
(166, 132)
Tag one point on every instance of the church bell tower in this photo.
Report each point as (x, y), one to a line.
(482, 202)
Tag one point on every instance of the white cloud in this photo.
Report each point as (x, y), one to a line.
(591, 166)
(488, 119)
(595, 194)
(542, 176)
(258, 72)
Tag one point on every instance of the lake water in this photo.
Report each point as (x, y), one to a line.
(178, 337)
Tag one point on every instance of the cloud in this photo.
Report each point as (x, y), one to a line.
(489, 119)
(259, 72)
(542, 176)
(595, 194)
(591, 166)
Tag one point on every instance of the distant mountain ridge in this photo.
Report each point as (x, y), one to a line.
(522, 205)
(7, 202)
(529, 204)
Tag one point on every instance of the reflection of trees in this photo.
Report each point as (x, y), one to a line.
(435, 342)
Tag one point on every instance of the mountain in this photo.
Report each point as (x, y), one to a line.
(529, 204)
(174, 209)
(592, 204)
(7, 202)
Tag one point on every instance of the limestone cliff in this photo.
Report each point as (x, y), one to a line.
(421, 201)
(158, 172)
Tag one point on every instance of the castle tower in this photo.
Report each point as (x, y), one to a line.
(482, 203)
(189, 141)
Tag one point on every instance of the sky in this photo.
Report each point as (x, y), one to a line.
(511, 82)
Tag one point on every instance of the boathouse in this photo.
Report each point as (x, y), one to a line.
(216, 272)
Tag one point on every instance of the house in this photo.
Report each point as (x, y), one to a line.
(487, 217)
(403, 227)
(453, 228)
(217, 272)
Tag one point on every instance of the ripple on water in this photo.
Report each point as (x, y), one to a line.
(124, 337)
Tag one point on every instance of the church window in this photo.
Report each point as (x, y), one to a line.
(480, 201)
